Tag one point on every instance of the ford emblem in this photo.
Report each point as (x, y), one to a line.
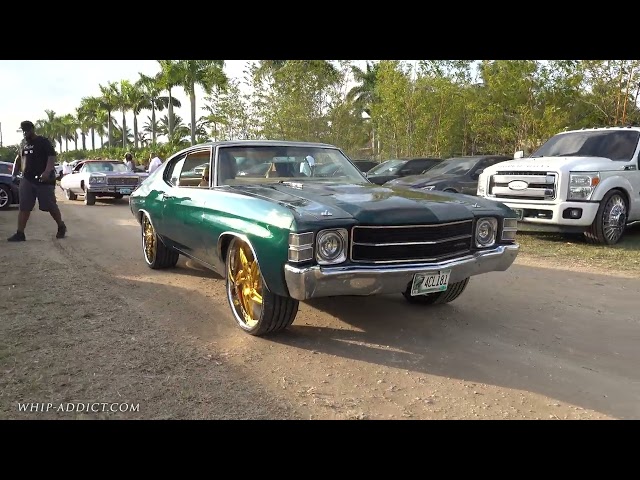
(518, 185)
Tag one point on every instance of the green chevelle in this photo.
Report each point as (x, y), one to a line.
(292, 233)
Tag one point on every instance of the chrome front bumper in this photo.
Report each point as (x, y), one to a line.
(312, 282)
(101, 188)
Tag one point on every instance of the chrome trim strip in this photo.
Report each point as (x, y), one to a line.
(413, 226)
(434, 242)
(304, 283)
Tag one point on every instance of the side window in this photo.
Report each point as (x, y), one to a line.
(416, 166)
(172, 172)
(195, 170)
(6, 169)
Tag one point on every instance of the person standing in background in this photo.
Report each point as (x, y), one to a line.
(154, 162)
(128, 161)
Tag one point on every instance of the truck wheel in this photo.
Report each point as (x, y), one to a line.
(156, 254)
(256, 310)
(611, 220)
(437, 298)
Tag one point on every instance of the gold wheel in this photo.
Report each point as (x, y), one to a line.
(244, 284)
(149, 240)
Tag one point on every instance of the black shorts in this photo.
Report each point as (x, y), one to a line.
(30, 190)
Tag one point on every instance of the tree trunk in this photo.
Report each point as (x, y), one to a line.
(93, 138)
(135, 130)
(124, 130)
(170, 115)
(192, 99)
(153, 123)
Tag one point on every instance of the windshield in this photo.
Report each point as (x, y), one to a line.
(389, 167)
(613, 144)
(260, 164)
(104, 167)
(452, 166)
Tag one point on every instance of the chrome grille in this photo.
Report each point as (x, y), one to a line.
(411, 243)
(534, 185)
(133, 181)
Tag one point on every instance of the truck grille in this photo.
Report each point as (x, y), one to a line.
(523, 185)
(412, 243)
(133, 181)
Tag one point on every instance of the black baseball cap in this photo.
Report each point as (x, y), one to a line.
(26, 126)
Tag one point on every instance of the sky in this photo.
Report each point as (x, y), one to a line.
(29, 87)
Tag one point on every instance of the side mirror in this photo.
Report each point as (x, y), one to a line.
(518, 154)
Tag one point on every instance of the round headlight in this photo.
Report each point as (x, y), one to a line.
(486, 232)
(331, 246)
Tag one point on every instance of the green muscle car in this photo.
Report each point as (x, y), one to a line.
(288, 235)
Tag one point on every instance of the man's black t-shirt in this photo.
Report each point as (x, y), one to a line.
(36, 153)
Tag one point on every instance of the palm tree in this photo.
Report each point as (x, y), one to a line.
(70, 126)
(108, 102)
(89, 114)
(363, 95)
(205, 73)
(151, 91)
(168, 78)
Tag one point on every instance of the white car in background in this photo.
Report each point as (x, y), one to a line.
(100, 178)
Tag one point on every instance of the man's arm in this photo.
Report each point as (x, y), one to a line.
(17, 165)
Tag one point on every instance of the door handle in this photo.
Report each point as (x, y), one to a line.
(166, 196)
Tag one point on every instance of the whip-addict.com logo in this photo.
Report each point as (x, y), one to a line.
(95, 407)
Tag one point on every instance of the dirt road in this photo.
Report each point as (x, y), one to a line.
(84, 320)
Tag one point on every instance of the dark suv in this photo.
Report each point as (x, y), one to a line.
(392, 169)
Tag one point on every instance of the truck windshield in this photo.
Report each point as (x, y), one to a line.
(618, 145)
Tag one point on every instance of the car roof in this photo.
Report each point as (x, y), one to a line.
(256, 143)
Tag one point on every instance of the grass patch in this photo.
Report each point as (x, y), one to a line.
(574, 251)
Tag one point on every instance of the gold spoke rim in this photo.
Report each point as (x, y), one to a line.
(245, 284)
(149, 240)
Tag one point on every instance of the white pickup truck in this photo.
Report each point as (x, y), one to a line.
(580, 181)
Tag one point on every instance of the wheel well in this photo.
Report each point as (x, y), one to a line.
(449, 189)
(624, 193)
(225, 241)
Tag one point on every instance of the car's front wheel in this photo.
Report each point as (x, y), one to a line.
(89, 198)
(5, 197)
(156, 254)
(436, 298)
(256, 310)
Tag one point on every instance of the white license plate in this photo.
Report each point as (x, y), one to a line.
(519, 212)
(428, 282)
(125, 191)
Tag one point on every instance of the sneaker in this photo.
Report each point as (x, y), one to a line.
(62, 231)
(17, 237)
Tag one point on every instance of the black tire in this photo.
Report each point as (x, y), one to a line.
(603, 231)
(5, 197)
(277, 312)
(161, 256)
(89, 198)
(438, 298)
(118, 196)
(70, 195)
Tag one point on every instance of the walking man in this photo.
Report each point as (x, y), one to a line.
(38, 181)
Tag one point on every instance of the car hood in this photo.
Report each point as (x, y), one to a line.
(574, 164)
(422, 180)
(118, 174)
(371, 204)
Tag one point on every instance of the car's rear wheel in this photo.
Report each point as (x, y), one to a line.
(437, 298)
(70, 195)
(256, 310)
(156, 254)
(5, 197)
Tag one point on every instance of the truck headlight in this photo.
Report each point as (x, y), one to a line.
(331, 246)
(582, 185)
(486, 229)
(96, 179)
